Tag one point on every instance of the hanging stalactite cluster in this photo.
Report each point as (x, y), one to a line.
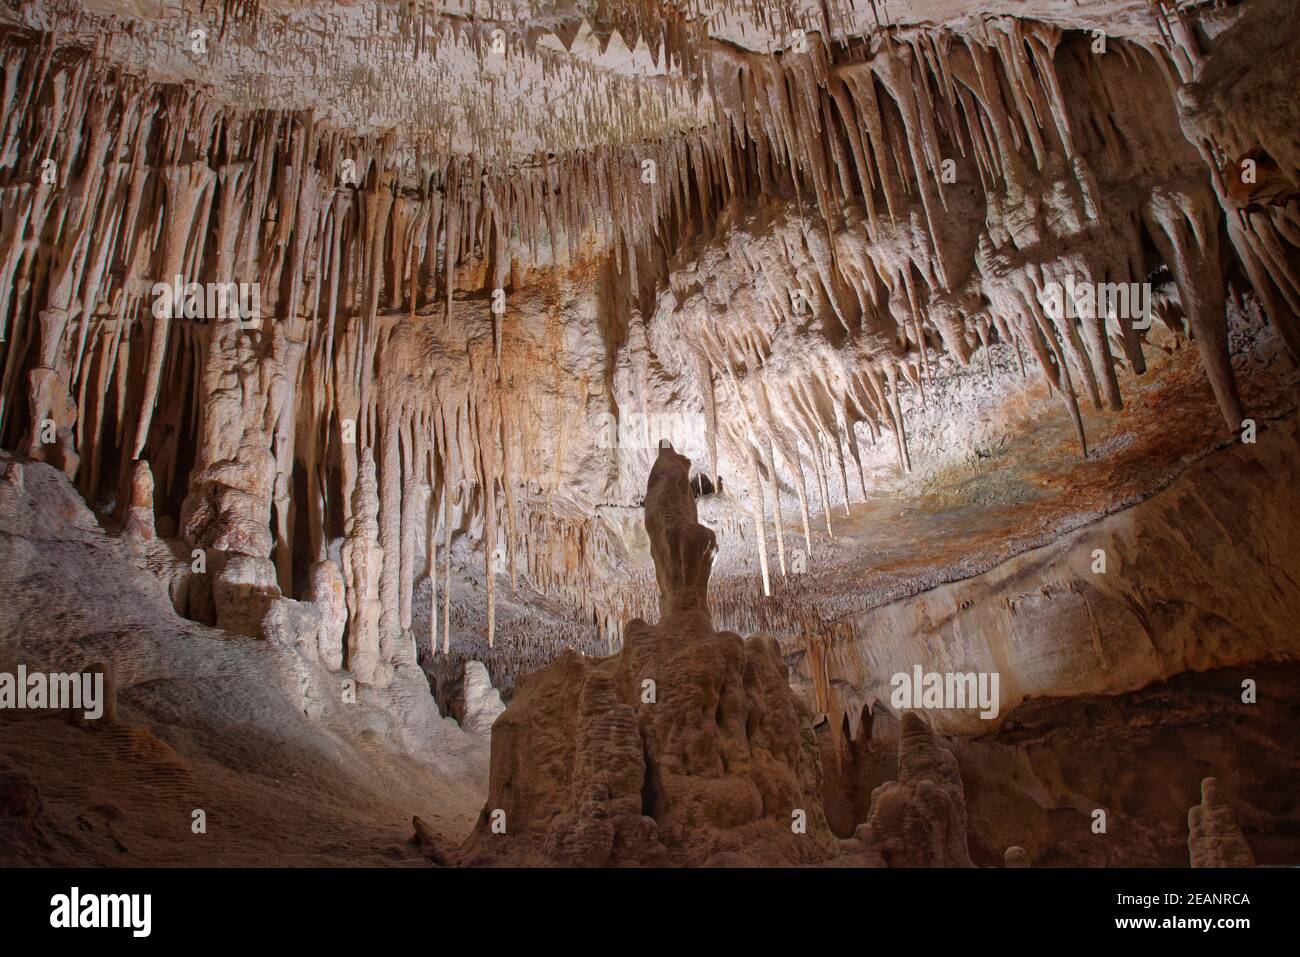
(795, 265)
(940, 187)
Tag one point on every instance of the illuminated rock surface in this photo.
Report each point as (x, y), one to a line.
(337, 342)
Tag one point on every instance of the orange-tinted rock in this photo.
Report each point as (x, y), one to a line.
(920, 819)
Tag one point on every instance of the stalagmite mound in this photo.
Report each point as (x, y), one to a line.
(920, 819)
(479, 703)
(689, 746)
(686, 747)
(1016, 857)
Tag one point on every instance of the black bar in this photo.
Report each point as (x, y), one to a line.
(658, 908)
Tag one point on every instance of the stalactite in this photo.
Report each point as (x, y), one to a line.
(187, 186)
(450, 487)
(359, 351)
(1187, 232)
(760, 529)
(776, 504)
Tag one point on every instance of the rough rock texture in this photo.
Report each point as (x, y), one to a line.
(687, 746)
(243, 592)
(1199, 576)
(427, 840)
(362, 560)
(920, 819)
(139, 521)
(1037, 781)
(258, 735)
(328, 594)
(1213, 837)
(54, 417)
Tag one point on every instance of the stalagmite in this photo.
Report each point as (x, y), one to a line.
(329, 593)
(139, 520)
(920, 819)
(431, 565)
(53, 418)
(1213, 837)
(760, 529)
(363, 561)
(776, 505)
(448, 489)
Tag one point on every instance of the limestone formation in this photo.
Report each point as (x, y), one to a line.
(1213, 837)
(959, 335)
(293, 623)
(686, 745)
(481, 704)
(427, 841)
(13, 477)
(53, 416)
(682, 549)
(362, 561)
(920, 819)
(139, 521)
(776, 233)
(329, 594)
(243, 591)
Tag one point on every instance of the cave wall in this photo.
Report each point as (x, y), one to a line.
(1200, 576)
(477, 322)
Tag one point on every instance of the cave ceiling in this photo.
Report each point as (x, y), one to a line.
(500, 250)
